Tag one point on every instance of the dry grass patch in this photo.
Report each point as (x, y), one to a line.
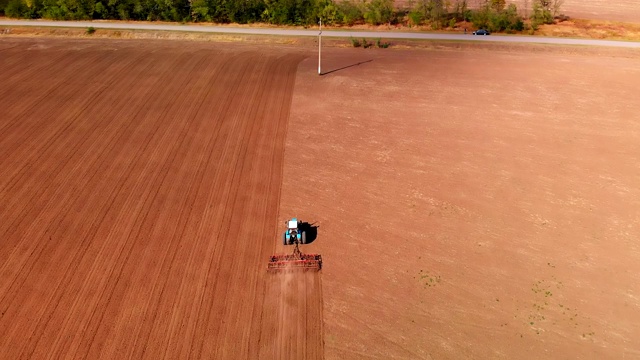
(594, 29)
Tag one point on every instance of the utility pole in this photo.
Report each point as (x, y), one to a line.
(320, 49)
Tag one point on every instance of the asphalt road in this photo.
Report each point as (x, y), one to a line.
(287, 32)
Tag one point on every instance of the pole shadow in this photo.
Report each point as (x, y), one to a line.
(345, 67)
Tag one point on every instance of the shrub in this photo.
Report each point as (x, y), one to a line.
(355, 42)
(16, 9)
(349, 13)
(91, 30)
(199, 11)
(541, 15)
(505, 20)
(480, 18)
(379, 12)
(100, 11)
(415, 17)
(244, 12)
(67, 9)
(436, 25)
(329, 13)
(381, 45)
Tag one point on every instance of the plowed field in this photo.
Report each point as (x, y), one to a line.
(478, 203)
(140, 188)
(471, 204)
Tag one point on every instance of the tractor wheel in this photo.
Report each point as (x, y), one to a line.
(304, 237)
(284, 238)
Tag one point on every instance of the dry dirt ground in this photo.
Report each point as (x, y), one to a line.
(140, 186)
(470, 203)
(618, 10)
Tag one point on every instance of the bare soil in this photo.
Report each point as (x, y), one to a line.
(593, 29)
(140, 186)
(619, 10)
(471, 202)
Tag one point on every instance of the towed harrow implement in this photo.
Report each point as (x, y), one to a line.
(297, 261)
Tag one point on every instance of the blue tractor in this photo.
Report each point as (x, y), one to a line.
(293, 235)
(297, 260)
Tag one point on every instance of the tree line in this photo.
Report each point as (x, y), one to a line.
(493, 15)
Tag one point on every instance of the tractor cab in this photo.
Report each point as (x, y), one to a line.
(293, 235)
(293, 224)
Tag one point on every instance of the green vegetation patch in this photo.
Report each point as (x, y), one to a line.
(492, 15)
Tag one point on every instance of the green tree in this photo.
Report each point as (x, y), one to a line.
(100, 11)
(433, 11)
(3, 5)
(379, 12)
(16, 9)
(329, 12)
(244, 11)
(68, 9)
(350, 12)
(541, 13)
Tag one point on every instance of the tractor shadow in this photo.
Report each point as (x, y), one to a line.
(346, 67)
(310, 229)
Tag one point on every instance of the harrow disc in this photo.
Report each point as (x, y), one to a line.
(294, 262)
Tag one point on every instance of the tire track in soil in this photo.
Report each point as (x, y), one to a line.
(26, 118)
(62, 202)
(292, 327)
(250, 220)
(61, 210)
(236, 242)
(146, 257)
(188, 337)
(37, 146)
(224, 255)
(166, 299)
(210, 180)
(200, 59)
(41, 185)
(33, 139)
(293, 302)
(52, 200)
(116, 291)
(26, 70)
(143, 192)
(261, 150)
(252, 210)
(144, 231)
(180, 304)
(41, 84)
